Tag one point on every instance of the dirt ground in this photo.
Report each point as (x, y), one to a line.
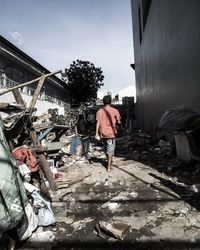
(147, 191)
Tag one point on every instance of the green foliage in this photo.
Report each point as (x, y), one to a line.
(83, 81)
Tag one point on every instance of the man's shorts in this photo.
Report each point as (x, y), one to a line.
(109, 145)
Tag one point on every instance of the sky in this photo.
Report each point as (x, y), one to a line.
(57, 32)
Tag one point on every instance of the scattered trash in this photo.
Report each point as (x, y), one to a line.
(112, 206)
(28, 224)
(25, 155)
(45, 213)
(77, 225)
(195, 188)
(133, 194)
(42, 236)
(106, 182)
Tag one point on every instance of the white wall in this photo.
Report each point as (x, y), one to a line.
(42, 106)
(127, 91)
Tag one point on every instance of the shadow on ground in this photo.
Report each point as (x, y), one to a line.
(143, 150)
(128, 245)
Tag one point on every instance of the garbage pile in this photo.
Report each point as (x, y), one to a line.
(23, 207)
(32, 149)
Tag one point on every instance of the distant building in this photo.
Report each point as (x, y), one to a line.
(128, 91)
(166, 48)
(100, 95)
(17, 67)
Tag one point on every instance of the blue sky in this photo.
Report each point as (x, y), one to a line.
(56, 32)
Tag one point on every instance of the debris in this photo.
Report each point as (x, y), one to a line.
(65, 180)
(136, 155)
(24, 171)
(28, 224)
(112, 206)
(79, 145)
(45, 213)
(25, 155)
(113, 229)
(195, 188)
(77, 225)
(133, 194)
(42, 236)
(30, 188)
(106, 182)
(165, 147)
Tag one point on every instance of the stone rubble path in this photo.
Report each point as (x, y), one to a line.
(158, 217)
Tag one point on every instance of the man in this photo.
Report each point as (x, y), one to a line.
(106, 119)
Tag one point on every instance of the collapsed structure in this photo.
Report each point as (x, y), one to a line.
(34, 145)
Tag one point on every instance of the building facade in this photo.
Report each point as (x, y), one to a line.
(17, 67)
(166, 48)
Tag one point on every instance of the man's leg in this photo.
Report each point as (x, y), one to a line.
(110, 152)
(109, 157)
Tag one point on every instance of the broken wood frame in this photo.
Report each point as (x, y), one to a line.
(36, 143)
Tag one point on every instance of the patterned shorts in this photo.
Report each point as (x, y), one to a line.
(109, 145)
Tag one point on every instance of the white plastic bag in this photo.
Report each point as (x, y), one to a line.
(45, 213)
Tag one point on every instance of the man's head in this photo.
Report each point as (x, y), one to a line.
(107, 100)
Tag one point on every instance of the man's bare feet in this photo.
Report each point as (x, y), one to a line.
(109, 169)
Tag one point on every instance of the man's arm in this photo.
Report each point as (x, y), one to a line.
(118, 119)
(97, 137)
(97, 127)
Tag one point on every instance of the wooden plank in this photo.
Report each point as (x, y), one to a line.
(18, 97)
(7, 106)
(28, 83)
(36, 94)
(44, 163)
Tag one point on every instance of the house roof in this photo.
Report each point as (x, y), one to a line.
(8, 46)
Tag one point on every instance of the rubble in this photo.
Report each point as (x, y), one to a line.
(115, 229)
(112, 206)
(149, 195)
(30, 170)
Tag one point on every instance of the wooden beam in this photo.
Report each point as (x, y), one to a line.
(43, 161)
(36, 94)
(29, 83)
(18, 97)
(7, 106)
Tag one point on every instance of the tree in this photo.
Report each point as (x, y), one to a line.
(83, 81)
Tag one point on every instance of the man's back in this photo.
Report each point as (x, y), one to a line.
(107, 117)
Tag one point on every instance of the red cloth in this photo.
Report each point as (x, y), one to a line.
(25, 155)
(107, 118)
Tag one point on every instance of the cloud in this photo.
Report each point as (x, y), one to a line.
(17, 37)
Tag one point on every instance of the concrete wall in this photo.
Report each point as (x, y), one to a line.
(167, 61)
